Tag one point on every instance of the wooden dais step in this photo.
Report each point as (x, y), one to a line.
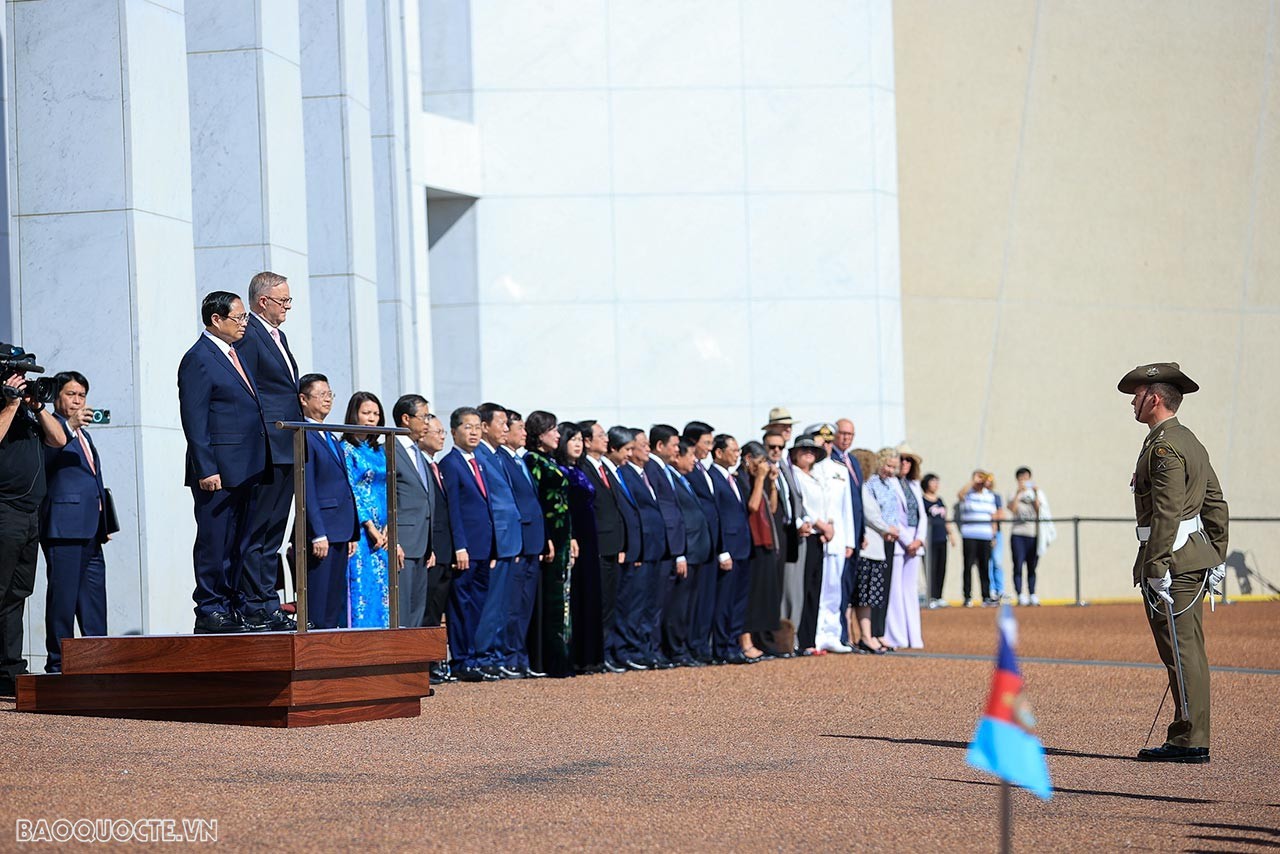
(273, 679)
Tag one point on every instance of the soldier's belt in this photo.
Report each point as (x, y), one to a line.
(1186, 528)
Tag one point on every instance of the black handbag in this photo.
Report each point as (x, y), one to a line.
(110, 520)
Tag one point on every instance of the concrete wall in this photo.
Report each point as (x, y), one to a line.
(1087, 186)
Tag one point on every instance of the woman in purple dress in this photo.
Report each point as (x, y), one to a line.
(586, 646)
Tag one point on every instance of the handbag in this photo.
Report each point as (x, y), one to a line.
(111, 522)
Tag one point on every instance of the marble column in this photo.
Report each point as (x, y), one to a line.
(406, 342)
(105, 269)
(341, 213)
(248, 181)
(6, 272)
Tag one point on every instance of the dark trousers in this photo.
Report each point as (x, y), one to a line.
(439, 581)
(807, 632)
(327, 595)
(937, 558)
(732, 588)
(1024, 552)
(702, 610)
(522, 592)
(635, 596)
(19, 545)
(413, 591)
(491, 628)
(847, 576)
(610, 572)
(467, 595)
(977, 557)
(678, 617)
(222, 539)
(267, 521)
(77, 591)
(664, 581)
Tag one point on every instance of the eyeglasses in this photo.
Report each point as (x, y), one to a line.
(324, 395)
(285, 302)
(240, 319)
(775, 447)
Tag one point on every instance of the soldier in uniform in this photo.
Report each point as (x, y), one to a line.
(1182, 535)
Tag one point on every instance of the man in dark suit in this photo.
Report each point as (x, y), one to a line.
(840, 446)
(638, 591)
(659, 449)
(619, 445)
(471, 524)
(227, 455)
(611, 531)
(507, 537)
(414, 508)
(701, 436)
(732, 586)
(699, 553)
(73, 525)
(440, 575)
(332, 524)
(525, 572)
(264, 353)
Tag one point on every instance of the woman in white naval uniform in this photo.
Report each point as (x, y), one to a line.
(833, 477)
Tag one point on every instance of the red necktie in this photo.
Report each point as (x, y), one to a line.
(604, 477)
(733, 484)
(435, 471)
(475, 467)
(88, 454)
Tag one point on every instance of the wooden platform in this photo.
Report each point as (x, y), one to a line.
(271, 679)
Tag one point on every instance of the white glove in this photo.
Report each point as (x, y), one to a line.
(1160, 586)
(1216, 576)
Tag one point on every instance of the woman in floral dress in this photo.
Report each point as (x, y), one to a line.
(553, 494)
(367, 473)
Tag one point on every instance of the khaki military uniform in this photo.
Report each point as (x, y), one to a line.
(1183, 517)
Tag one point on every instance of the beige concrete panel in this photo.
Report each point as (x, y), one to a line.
(1139, 151)
(1264, 269)
(1249, 471)
(947, 348)
(960, 71)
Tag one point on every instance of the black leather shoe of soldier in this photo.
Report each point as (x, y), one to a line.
(1174, 753)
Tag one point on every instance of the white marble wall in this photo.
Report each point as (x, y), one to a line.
(101, 205)
(6, 269)
(248, 181)
(341, 206)
(689, 210)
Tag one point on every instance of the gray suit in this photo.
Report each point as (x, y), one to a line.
(415, 506)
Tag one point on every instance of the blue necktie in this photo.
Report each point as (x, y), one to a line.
(623, 483)
(328, 437)
(687, 485)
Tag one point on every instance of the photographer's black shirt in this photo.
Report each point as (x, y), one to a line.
(22, 484)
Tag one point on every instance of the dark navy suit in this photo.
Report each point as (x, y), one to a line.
(638, 590)
(733, 586)
(471, 526)
(227, 436)
(276, 379)
(615, 620)
(523, 586)
(618, 527)
(331, 513)
(440, 576)
(72, 531)
(859, 526)
(700, 556)
(491, 633)
(673, 520)
(704, 593)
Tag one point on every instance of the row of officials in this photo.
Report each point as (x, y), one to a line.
(654, 533)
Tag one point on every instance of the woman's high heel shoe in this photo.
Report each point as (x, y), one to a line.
(863, 645)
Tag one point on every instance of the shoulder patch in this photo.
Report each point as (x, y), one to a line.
(1162, 451)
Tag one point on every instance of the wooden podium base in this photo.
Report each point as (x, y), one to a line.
(280, 679)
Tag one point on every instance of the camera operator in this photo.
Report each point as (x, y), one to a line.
(73, 525)
(25, 425)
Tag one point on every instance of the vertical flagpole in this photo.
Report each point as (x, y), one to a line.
(1006, 818)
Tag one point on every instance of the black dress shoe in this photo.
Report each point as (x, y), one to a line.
(279, 621)
(662, 664)
(736, 658)
(476, 674)
(492, 671)
(530, 673)
(1174, 753)
(219, 623)
(610, 667)
(254, 621)
(635, 665)
(508, 673)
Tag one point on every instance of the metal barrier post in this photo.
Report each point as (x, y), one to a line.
(1075, 535)
(393, 567)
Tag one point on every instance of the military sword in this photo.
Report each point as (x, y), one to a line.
(1177, 659)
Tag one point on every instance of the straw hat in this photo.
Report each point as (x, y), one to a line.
(779, 415)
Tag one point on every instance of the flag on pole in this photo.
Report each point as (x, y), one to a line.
(1005, 743)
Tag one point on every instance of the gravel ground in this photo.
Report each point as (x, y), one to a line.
(831, 753)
